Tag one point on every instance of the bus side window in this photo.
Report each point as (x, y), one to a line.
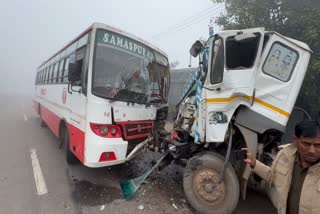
(42, 76)
(36, 78)
(63, 62)
(65, 71)
(50, 74)
(60, 71)
(55, 73)
(46, 76)
(76, 65)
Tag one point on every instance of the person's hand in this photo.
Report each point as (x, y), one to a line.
(250, 159)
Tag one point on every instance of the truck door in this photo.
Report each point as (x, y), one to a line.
(234, 57)
(279, 78)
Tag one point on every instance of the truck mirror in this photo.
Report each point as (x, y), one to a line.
(244, 37)
(196, 48)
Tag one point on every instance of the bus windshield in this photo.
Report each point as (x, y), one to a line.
(129, 71)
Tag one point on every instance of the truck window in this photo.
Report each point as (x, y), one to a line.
(217, 68)
(241, 54)
(280, 62)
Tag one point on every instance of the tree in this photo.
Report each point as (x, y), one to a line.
(298, 19)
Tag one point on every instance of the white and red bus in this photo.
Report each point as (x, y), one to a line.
(100, 94)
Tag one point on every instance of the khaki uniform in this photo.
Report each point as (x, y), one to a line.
(279, 176)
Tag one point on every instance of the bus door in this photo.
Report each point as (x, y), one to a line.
(77, 102)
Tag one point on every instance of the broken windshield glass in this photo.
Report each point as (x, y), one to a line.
(128, 71)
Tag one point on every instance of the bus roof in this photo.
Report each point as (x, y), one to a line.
(107, 27)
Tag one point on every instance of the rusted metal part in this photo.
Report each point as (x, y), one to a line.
(207, 186)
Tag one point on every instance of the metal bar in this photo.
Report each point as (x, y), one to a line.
(136, 149)
(228, 152)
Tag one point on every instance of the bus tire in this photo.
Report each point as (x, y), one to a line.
(42, 123)
(38, 109)
(202, 188)
(70, 157)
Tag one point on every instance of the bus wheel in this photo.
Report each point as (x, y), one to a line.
(202, 187)
(70, 157)
(38, 109)
(42, 123)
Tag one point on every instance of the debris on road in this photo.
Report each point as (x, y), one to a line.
(102, 207)
(66, 205)
(175, 206)
(150, 207)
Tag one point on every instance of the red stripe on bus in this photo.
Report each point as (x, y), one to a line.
(51, 119)
(77, 137)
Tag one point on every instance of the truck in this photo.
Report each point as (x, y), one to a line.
(241, 96)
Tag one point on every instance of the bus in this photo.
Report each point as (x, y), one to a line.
(102, 94)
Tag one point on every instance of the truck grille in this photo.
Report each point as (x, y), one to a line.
(136, 130)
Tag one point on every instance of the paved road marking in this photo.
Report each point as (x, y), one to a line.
(38, 177)
(25, 117)
(102, 207)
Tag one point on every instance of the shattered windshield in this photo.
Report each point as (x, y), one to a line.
(129, 71)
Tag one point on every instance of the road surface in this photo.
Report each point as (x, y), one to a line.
(34, 176)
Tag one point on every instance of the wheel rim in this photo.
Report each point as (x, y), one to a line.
(207, 187)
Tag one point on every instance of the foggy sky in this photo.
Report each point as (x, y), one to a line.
(31, 31)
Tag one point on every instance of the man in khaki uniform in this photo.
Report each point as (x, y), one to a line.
(294, 176)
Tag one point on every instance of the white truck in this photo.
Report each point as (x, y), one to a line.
(242, 96)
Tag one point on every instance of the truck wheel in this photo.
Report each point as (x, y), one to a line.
(70, 157)
(202, 188)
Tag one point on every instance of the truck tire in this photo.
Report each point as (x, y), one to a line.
(202, 188)
(70, 157)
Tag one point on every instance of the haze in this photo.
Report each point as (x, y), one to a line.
(31, 31)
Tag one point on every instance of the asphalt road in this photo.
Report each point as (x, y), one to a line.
(34, 176)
